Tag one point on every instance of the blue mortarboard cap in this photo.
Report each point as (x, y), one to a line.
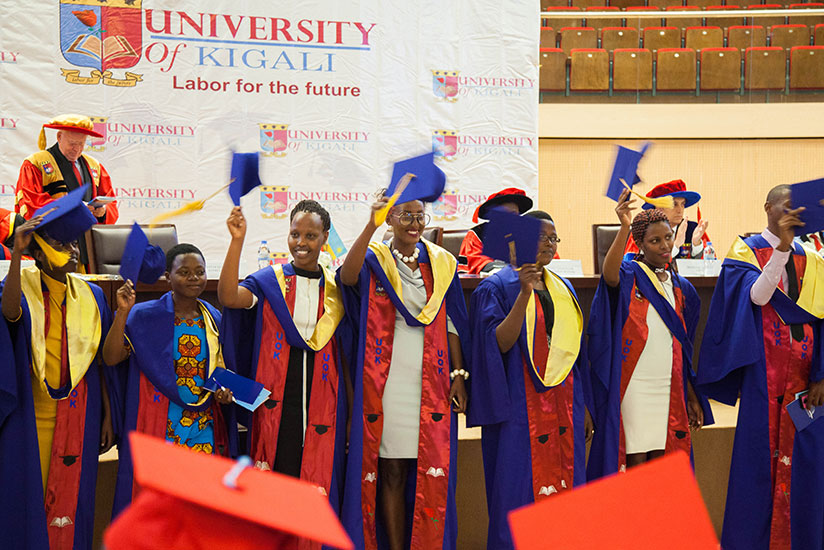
(67, 218)
(626, 168)
(141, 261)
(506, 232)
(810, 195)
(426, 186)
(244, 175)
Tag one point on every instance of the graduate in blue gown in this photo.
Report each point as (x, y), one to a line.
(529, 385)
(763, 342)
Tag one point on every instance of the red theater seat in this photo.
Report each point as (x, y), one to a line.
(699, 38)
(664, 4)
(557, 23)
(764, 68)
(548, 37)
(656, 38)
(819, 35)
(809, 20)
(578, 37)
(723, 22)
(589, 70)
(632, 70)
(600, 22)
(788, 36)
(553, 4)
(807, 68)
(552, 74)
(675, 70)
(684, 22)
(766, 21)
(624, 4)
(619, 37)
(701, 3)
(720, 69)
(744, 36)
(584, 4)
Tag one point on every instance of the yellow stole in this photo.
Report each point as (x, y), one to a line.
(811, 295)
(332, 308)
(82, 316)
(565, 340)
(443, 265)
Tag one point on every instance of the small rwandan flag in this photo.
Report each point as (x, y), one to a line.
(334, 244)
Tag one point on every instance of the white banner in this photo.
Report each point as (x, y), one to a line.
(330, 93)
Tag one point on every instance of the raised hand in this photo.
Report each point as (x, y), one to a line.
(786, 227)
(698, 234)
(237, 224)
(680, 234)
(377, 206)
(625, 208)
(23, 234)
(529, 275)
(125, 297)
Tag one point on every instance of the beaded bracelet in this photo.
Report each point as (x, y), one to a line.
(458, 372)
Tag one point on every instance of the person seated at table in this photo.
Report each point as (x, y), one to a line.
(689, 236)
(470, 258)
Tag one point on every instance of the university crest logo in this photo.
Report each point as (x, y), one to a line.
(273, 139)
(100, 126)
(102, 35)
(445, 85)
(446, 207)
(274, 201)
(445, 143)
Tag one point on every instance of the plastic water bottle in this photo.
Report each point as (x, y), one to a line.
(709, 259)
(263, 255)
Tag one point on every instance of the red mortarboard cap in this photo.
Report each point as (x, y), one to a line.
(244, 175)
(184, 503)
(67, 218)
(656, 505)
(510, 194)
(507, 232)
(674, 188)
(625, 168)
(810, 195)
(141, 261)
(426, 186)
(71, 123)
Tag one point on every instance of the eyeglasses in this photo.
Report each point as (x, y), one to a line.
(406, 219)
(544, 238)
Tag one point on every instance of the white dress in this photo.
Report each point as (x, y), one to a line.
(645, 407)
(402, 393)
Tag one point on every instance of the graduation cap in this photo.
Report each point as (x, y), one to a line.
(675, 189)
(510, 194)
(141, 261)
(511, 238)
(810, 195)
(413, 179)
(67, 218)
(70, 123)
(656, 505)
(625, 175)
(217, 503)
(244, 175)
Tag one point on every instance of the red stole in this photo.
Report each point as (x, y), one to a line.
(788, 372)
(633, 340)
(551, 433)
(432, 476)
(272, 366)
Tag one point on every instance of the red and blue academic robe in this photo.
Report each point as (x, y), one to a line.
(67, 516)
(257, 344)
(149, 383)
(748, 350)
(631, 249)
(617, 335)
(530, 401)
(371, 305)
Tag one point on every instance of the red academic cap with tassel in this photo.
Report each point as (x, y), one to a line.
(510, 194)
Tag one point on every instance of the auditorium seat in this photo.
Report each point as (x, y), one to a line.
(619, 37)
(105, 244)
(557, 23)
(819, 35)
(764, 68)
(632, 70)
(452, 240)
(548, 37)
(766, 21)
(704, 4)
(723, 22)
(745, 36)
(602, 236)
(699, 38)
(720, 69)
(552, 73)
(664, 4)
(599, 23)
(578, 37)
(787, 36)
(809, 20)
(684, 22)
(675, 70)
(807, 68)
(638, 22)
(656, 38)
(624, 4)
(585, 4)
(553, 4)
(589, 70)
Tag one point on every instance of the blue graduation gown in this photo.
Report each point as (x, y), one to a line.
(499, 405)
(22, 512)
(733, 361)
(608, 314)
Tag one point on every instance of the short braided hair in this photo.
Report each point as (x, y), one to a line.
(312, 207)
(643, 220)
